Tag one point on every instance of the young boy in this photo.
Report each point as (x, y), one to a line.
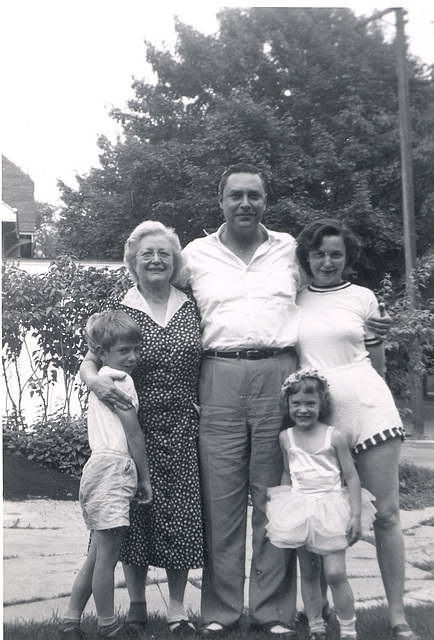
(116, 472)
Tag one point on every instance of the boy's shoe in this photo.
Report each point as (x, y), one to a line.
(70, 632)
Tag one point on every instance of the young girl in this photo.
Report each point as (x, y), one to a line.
(311, 510)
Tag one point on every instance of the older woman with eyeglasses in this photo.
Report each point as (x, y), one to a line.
(169, 533)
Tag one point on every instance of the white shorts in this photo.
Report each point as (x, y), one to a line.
(362, 406)
(108, 484)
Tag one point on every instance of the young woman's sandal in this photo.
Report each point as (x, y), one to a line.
(404, 632)
(182, 628)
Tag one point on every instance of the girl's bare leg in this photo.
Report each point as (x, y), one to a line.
(310, 566)
(336, 576)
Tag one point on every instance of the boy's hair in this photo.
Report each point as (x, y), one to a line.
(106, 328)
(310, 382)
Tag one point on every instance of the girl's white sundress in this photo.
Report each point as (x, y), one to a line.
(315, 510)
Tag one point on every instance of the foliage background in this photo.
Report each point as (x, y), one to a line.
(308, 95)
(53, 308)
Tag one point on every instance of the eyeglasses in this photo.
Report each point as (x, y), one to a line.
(320, 255)
(160, 253)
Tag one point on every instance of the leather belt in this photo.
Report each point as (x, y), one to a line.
(248, 354)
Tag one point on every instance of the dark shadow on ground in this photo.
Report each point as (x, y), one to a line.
(25, 480)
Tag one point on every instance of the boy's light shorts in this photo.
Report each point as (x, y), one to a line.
(108, 484)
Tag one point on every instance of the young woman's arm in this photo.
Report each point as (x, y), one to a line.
(103, 386)
(349, 472)
(376, 355)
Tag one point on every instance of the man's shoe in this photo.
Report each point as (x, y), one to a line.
(275, 629)
(182, 628)
(213, 630)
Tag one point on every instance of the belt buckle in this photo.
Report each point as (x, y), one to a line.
(251, 353)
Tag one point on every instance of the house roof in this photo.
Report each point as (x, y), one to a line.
(8, 214)
(18, 191)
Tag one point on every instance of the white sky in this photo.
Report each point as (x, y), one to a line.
(65, 64)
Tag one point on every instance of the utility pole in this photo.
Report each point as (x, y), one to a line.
(406, 155)
(407, 204)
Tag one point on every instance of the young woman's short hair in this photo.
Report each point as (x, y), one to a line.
(154, 228)
(312, 236)
(108, 327)
(309, 382)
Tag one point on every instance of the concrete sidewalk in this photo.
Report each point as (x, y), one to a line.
(45, 542)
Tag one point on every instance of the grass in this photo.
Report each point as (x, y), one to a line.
(416, 492)
(416, 487)
(371, 625)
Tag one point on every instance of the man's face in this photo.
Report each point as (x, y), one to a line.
(243, 202)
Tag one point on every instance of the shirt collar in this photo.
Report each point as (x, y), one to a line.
(134, 300)
(268, 234)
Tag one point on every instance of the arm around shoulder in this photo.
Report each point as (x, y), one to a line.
(103, 386)
(89, 369)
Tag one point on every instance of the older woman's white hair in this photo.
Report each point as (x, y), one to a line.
(154, 228)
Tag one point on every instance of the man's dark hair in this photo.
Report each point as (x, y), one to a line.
(240, 167)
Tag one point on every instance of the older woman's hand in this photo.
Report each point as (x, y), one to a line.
(380, 326)
(103, 386)
(106, 390)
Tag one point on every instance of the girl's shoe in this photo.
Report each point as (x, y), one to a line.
(404, 632)
(301, 617)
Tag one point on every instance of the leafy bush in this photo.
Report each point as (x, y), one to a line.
(58, 443)
(53, 308)
(416, 487)
(409, 345)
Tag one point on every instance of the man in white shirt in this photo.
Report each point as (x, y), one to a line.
(244, 278)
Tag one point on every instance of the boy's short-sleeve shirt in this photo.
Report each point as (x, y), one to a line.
(105, 430)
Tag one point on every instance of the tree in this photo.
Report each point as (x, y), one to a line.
(46, 240)
(308, 95)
